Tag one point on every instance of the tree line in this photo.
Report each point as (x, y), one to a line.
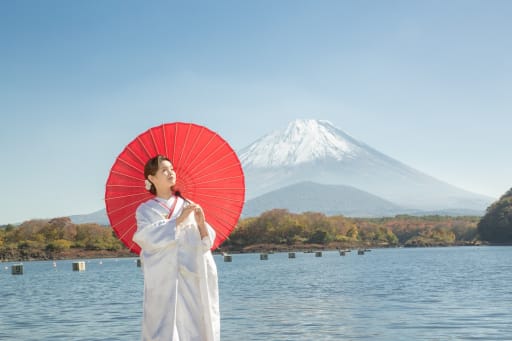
(283, 229)
(48, 239)
(277, 229)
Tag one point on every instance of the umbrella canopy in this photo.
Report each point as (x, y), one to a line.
(208, 173)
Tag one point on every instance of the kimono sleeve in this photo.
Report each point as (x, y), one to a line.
(207, 241)
(153, 233)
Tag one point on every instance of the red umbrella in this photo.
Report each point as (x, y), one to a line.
(207, 169)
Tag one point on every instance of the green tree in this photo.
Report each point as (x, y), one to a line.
(320, 237)
(58, 245)
(496, 225)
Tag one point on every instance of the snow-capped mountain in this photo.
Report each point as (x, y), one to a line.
(302, 141)
(315, 150)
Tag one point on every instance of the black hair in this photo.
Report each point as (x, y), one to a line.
(151, 168)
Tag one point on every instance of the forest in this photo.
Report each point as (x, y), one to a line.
(273, 230)
(57, 239)
(280, 229)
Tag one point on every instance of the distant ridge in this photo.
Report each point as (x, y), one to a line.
(98, 217)
(329, 199)
(333, 200)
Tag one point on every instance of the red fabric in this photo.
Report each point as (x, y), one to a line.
(208, 173)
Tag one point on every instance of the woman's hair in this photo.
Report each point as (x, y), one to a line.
(151, 168)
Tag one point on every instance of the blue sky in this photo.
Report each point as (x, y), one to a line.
(426, 82)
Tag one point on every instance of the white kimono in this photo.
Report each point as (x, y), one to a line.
(181, 297)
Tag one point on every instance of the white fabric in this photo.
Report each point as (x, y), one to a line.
(181, 299)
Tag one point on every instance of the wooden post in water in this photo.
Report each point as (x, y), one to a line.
(17, 269)
(139, 263)
(291, 254)
(318, 254)
(79, 266)
(227, 258)
(263, 256)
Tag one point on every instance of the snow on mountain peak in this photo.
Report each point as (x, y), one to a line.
(303, 140)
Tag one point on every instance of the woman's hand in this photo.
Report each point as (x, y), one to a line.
(199, 215)
(185, 213)
(200, 220)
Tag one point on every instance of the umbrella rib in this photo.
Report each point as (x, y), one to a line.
(126, 175)
(211, 154)
(134, 154)
(215, 162)
(218, 170)
(145, 149)
(186, 164)
(124, 186)
(153, 139)
(175, 140)
(225, 224)
(219, 231)
(218, 179)
(223, 236)
(222, 196)
(184, 143)
(128, 163)
(121, 221)
(196, 154)
(126, 196)
(128, 230)
(234, 212)
(207, 191)
(228, 208)
(202, 150)
(132, 248)
(219, 197)
(233, 217)
(125, 206)
(165, 140)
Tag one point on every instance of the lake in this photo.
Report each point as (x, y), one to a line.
(453, 293)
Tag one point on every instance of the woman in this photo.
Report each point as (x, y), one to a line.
(181, 300)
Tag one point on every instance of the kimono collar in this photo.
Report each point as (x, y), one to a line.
(167, 202)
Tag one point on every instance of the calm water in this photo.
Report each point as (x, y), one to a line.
(462, 293)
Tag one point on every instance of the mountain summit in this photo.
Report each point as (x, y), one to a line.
(302, 141)
(317, 151)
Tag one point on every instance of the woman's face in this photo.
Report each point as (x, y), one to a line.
(165, 176)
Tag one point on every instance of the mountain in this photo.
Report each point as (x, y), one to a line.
(98, 217)
(329, 199)
(317, 151)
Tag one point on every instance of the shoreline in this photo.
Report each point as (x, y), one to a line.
(253, 249)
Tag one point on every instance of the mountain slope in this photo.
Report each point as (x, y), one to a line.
(315, 150)
(98, 217)
(328, 199)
